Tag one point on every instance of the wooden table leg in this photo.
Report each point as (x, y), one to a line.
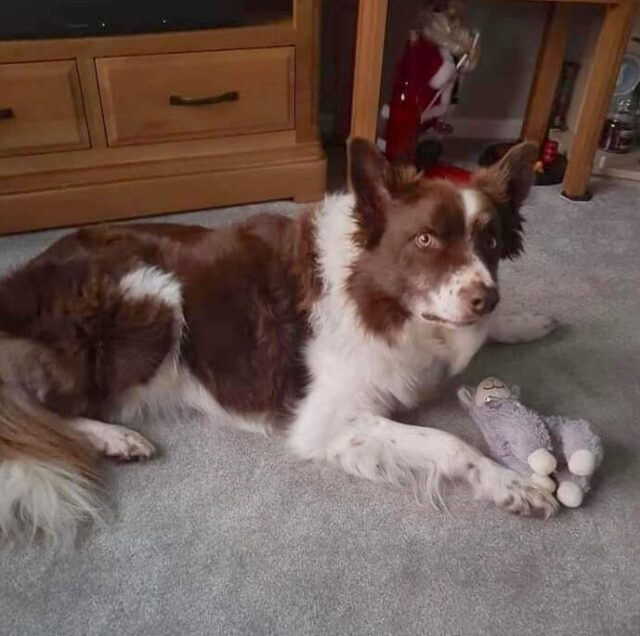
(372, 22)
(610, 47)
(547, 73)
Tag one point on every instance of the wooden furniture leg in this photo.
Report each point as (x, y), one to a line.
(610, 47)
(547, 74)
(372, 21)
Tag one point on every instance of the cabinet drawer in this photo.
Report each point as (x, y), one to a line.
(41, 108)
(189, 95)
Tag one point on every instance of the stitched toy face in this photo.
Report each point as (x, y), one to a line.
(491, 389)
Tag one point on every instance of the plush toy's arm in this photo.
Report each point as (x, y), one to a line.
(512, 461)
(507, 458)
(509, 441)
(528, 438)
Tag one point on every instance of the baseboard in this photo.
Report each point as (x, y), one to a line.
(485, 127)
(98, 202)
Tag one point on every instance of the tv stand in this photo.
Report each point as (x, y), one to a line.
(115, 127)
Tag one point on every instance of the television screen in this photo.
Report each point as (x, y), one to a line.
(76, 18)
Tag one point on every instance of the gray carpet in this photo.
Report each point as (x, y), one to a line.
(224, 534)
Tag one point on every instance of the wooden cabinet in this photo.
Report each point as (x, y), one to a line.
(106, 128)
(192, 95)
(41, 108)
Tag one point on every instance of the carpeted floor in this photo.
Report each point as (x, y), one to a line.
(224, 534)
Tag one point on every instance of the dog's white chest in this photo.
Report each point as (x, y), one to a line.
(461, 345)
(413, 371)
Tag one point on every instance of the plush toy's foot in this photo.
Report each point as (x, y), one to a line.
(542, 462)
(569, 494)
(582, 462)
(543, 482)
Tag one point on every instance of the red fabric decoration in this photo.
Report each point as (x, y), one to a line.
(422, 70)
(450, 173)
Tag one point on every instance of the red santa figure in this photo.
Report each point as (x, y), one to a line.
(424, 83)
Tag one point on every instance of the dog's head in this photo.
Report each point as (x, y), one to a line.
(429, 249)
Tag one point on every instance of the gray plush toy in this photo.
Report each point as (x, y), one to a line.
(533, 445)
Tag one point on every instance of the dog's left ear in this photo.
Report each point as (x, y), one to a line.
(368, 169)
(376, 182)
(507, 184)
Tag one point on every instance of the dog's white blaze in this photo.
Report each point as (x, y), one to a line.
(473, 208)
(472, 201)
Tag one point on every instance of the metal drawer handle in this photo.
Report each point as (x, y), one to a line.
(6, 113)
(179, 100)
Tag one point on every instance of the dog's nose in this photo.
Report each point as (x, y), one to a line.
(482, 299)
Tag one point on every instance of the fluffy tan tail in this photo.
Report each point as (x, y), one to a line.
(47, 476)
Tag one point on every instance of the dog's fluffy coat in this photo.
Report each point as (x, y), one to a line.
(320, 327)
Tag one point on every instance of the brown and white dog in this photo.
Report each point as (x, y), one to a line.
(320, 326)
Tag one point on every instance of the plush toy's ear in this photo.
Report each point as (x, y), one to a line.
(465, 396)
(515, 391)
(507, 184)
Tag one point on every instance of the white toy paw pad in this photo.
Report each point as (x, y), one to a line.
(582, 462)
(570, 494)
(542, 461)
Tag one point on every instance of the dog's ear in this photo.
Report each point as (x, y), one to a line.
(368, 171)
(507, 184)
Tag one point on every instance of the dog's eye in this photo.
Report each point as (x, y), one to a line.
(425, 240)
(490, 242)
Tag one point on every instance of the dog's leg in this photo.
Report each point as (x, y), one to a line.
(519, 328)
(113, 440)
(380, 449)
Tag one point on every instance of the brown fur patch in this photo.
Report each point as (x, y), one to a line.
(382, 276)
(380, 312)
(245, 328)
(82, 341)
(246, 293)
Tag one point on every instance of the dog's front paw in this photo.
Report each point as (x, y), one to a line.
(520, 328)
(518, 495)
(125, 445)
